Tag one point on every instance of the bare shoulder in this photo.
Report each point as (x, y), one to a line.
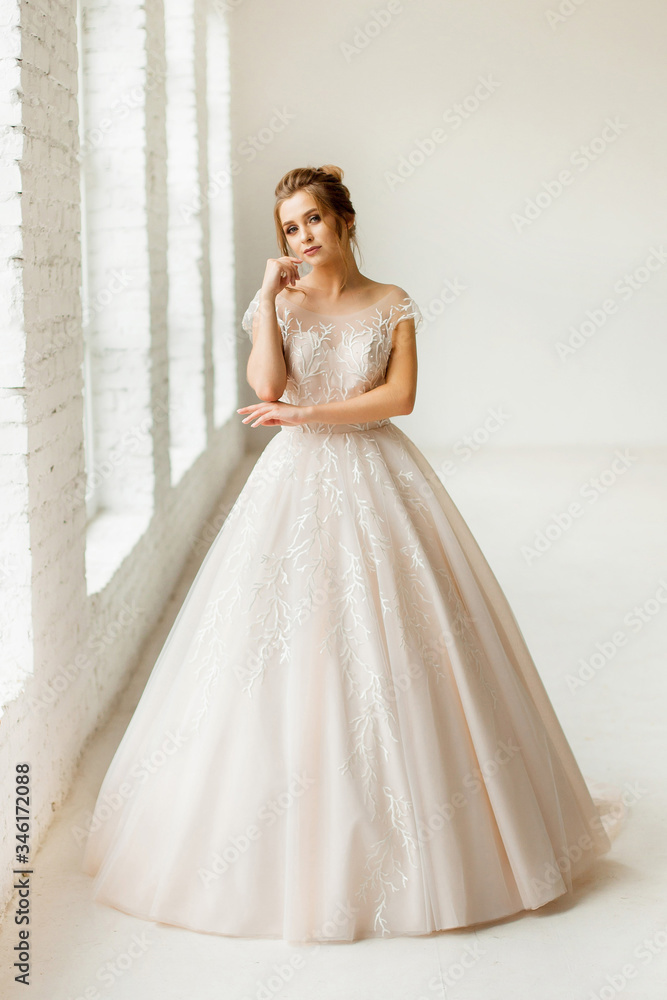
(399, 291)
(383, 292)
(384, 287)
(394, 295)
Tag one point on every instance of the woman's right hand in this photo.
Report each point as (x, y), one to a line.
(280, 271)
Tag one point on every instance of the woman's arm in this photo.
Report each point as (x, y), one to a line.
(266, 372)
(396, 396)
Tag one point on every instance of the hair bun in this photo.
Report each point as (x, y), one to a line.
(334, 171)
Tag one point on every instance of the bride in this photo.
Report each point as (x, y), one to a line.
(359, 742)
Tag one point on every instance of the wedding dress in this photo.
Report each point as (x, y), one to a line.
(344, 734)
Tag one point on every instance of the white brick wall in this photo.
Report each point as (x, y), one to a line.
(68, 651)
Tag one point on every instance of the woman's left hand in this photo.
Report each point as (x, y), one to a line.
(269, 414)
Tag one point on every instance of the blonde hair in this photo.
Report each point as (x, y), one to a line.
(326, 188)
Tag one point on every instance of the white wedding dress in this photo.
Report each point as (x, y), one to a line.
(344, 734)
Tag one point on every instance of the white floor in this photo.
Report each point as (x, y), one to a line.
(609, 938)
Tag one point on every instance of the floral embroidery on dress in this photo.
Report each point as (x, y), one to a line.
(343, 667)
(325, 361)
(328, 361)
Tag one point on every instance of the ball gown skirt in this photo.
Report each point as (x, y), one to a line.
(344, 734)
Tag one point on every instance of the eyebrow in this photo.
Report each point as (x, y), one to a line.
(310, 211)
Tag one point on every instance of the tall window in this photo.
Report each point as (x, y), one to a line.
(187, 312)
(121, 160)
(218, 195)
(88, 420)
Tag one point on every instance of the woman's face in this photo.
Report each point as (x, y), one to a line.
(305, 228)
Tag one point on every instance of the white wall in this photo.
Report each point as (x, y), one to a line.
(557, 78)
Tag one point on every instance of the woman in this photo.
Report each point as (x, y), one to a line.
(344, 734)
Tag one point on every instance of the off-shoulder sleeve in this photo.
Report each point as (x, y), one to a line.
(248, 315)
(404, 307)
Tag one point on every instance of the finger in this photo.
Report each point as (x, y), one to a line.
(258, 414)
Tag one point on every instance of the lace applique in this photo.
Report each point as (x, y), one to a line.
(340, 632)
(406, 309)
(326, 360)
(335, 358)
(383, 866)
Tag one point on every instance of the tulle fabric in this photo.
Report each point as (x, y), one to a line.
(344, 734)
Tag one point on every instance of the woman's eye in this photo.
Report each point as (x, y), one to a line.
(291, 228)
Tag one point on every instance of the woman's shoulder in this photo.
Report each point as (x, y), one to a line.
(400, 305)
(385, 291)
(396, 293)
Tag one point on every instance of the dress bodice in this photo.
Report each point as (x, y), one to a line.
(336, 357)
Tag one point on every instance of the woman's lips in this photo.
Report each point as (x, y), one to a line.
(312, 250)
